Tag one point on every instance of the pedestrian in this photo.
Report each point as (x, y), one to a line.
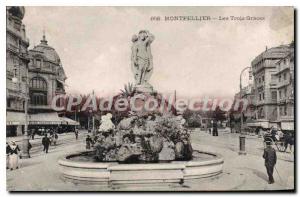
(32, 134)
(7, 155)
(89, 141)
(270, 160)
(29, 147)
(14, 156)
(76, 134)
(273, 132)
(54, 138)
(288, 141)
(46, 143)
(94, 140)
(215, 128)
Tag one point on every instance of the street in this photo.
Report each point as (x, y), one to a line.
(241, 172)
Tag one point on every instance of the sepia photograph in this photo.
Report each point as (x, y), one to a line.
(156, 98)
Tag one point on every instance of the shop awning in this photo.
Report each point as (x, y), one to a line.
(68, 121)
(15, 118)
(44, 119)
(262, 124)
(287, 125)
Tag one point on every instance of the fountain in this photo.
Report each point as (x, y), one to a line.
(145, 147)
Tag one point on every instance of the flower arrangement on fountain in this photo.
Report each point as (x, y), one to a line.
(148, 138)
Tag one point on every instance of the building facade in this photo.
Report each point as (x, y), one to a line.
(16, 70)
(46, 77)
(269, 85)
(36, 75)
(46, 80)
(285, 90)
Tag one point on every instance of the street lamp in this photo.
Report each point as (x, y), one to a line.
(25, 141)
(242, 137)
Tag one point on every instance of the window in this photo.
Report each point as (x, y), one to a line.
(39, 63)
(285, 92)
(38, 91)
(285, 110)
(8, 102)
(279, 78)
(263, 78)
(274, 95)
(38, 83)
(259, 80)
(260, 97)
(263, 96)
(38, 98)
(273, 77)
(279, 94)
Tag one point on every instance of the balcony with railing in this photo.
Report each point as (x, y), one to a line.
(12, 47)
(45, 107)
(283, 83)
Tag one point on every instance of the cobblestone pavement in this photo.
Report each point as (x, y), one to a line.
(241, 172)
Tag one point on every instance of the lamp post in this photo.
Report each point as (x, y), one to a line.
(93, 117)
(25, 140)
(242, 137)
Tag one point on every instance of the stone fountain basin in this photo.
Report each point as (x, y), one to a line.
(114, 173)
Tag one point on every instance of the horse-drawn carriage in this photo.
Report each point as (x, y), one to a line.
(281, 139)
(279, 142)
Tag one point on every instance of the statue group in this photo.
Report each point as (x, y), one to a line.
(142, 60)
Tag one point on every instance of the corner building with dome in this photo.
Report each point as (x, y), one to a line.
(35, 74)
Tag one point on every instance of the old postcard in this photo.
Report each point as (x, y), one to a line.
(150, 98)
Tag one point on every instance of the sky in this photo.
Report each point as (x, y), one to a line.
(195, 58)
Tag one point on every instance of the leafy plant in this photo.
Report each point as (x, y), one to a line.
(129, 90)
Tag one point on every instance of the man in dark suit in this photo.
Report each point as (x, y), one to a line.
(270, 160)
(46, 143)
(215, 128)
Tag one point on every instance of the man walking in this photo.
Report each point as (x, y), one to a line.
(46, 143)
(76, 134)
(270, 160)
(215, 128)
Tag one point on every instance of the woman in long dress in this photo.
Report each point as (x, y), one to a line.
(14, 156)
(7, 155)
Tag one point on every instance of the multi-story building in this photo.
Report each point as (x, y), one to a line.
(265, 73)
(248, 94)
(46, 80)
(36, 75)
(16, 70)
(285, 90)
(47, 76)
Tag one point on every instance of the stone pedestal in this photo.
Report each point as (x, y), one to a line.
(144, 88)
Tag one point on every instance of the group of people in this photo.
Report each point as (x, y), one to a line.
(214, 128)
(90, 141)
(277, 135)
(47, 141)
